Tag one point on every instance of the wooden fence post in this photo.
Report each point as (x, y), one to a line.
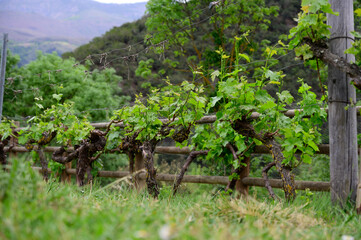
(342, 120)
(65, 176)
(358, 192)
(139, 165)
(2, 73)
(241, 188)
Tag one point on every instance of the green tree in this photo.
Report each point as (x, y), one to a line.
(118, 48)
(197, 29)
(49, 74)
(11, 62)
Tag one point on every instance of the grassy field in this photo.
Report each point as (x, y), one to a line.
(32, 209)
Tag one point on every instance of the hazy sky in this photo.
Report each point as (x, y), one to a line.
(121, 1)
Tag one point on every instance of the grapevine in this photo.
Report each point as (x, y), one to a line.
(246, 115)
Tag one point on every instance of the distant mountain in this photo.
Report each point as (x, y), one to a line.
(61, 24)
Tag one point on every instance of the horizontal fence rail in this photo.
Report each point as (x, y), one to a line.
(221, 180)
(323, 149)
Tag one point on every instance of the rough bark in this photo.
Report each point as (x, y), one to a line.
(95, 143)
(148, 148)
(3, 151)
(46, 138)
(181, 134)
(131, 162)
(321, 51)
(287, 176)
(342, 112)
(232, 183)
(358, 191)
(266, 181)
(244, 127)
(189, 160)
(2, 155)
(58, 155)
(82, 164)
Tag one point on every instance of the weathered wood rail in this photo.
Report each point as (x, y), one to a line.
(323, 149)
(221, 180)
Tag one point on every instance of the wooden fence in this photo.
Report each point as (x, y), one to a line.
(221, 180)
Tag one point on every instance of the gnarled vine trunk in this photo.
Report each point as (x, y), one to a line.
(43, 163)
(131, 162)
(60, 156)
(244, 127)
(45, 139)
(288, 178)
(3, 157)
(148, 148)
(2, 154)
(82, 164)
(193, 155)
(96, 142)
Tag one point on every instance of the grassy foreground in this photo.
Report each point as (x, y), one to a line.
(32, 209)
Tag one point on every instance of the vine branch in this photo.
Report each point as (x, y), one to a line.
(193, 155)
(321, 51)
(266, 181)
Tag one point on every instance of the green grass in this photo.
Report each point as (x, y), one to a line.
(32, 209)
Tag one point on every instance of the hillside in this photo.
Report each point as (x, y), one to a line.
(116, 44)
(51, 25)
